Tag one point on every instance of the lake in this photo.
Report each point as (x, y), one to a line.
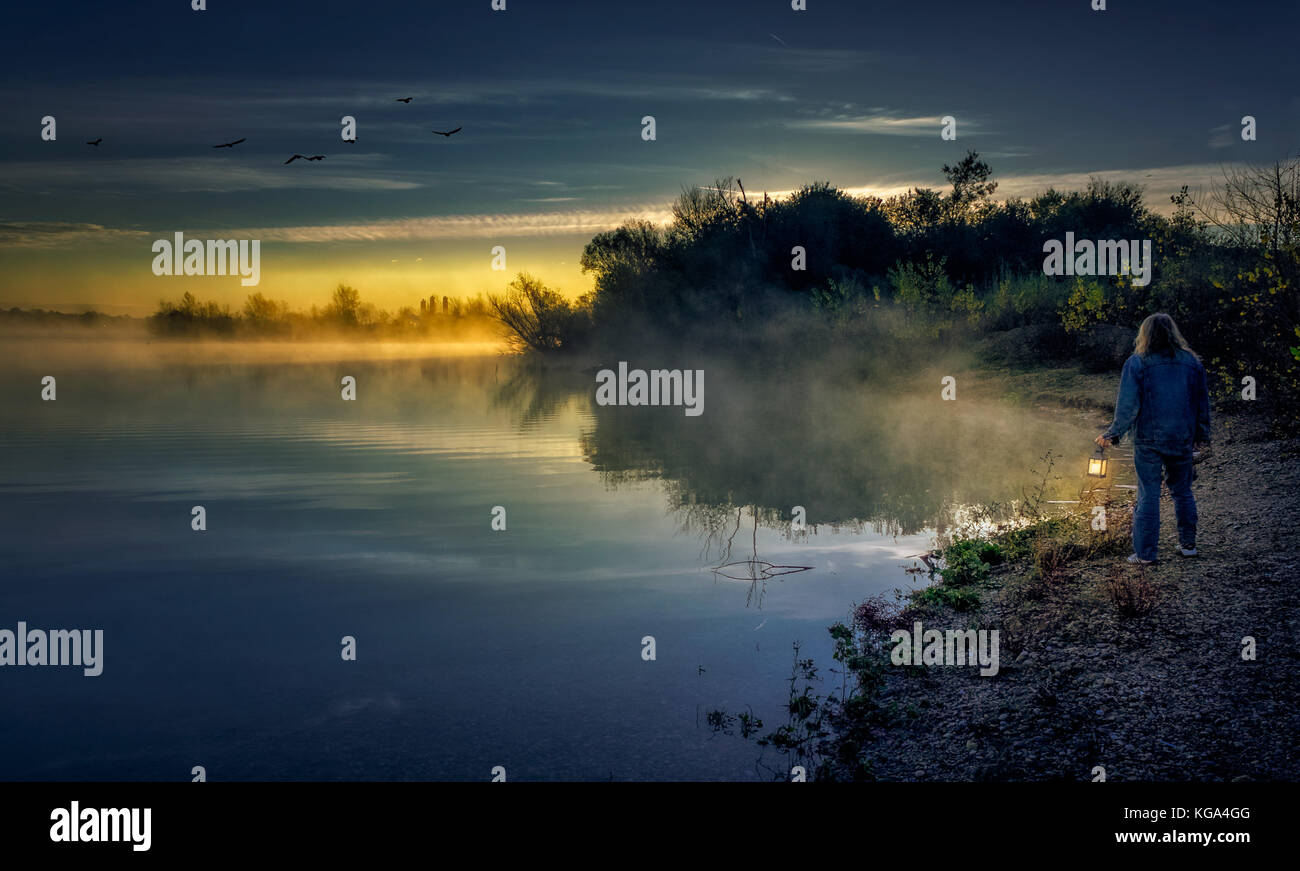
(373, 519)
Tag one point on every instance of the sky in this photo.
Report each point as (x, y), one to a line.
(551, 95)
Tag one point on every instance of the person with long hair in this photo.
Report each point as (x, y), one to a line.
(1164, 400)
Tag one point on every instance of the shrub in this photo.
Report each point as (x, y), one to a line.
(1133, 593)
(538, 317)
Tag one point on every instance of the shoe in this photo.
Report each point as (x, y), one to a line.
(1134, 558)
(1187, 551)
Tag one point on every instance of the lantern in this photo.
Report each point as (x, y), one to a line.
(1097, 464)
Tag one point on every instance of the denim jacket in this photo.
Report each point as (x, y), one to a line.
(1164, 400)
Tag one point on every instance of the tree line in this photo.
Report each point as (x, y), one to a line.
(941, 265)
(345, 314)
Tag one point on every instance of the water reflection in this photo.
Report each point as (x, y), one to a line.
(371, 518)
(881, 456)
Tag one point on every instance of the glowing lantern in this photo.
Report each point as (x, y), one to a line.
(1097, 464)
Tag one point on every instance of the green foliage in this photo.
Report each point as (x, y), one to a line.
(943, 596)
(1085, 306)
(839, 298)
(1020, 300)
(967, 561)
(1258, 314)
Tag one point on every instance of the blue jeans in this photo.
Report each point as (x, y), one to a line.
(1177, 466)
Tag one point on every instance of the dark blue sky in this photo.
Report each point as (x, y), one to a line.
(551, 94)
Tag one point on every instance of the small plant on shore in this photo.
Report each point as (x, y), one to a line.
(802, 738)
(876, 614)
(1036, 497)
(966, 562)
(827, 734)
(939, 596)
(1133, 593)
(1050, 557)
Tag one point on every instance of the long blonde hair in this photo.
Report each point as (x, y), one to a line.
(1159, 335)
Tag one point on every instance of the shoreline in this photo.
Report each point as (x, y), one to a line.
(1106, 666)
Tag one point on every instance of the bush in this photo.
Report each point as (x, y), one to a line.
(1133, 594)
(967, 562)
(538, 317)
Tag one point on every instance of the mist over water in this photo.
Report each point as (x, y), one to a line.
(371, 518)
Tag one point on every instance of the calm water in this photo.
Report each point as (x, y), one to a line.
(372, 518)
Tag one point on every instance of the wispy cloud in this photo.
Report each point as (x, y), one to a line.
(489, 226)
(879, 124)
(203, 175)
(1221, 137)
(54, 234)
(1159, 182)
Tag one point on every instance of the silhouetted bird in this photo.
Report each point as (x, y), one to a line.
(449, 132)
(96, 142)
(317, 157)
(292, 159)
(229, 144)
(402, 100)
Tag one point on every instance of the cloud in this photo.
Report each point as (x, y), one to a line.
(1221, 137)
(1160, 182)
(202, 175)
(487, 226)
(54, 234)
(879, 124)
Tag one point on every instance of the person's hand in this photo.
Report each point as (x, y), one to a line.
(1102, 441)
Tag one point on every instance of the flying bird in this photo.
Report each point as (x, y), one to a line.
(448, 133)
(402, 100)
(230, 144)
(96, 142)
(292, 159)
(317, 157)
